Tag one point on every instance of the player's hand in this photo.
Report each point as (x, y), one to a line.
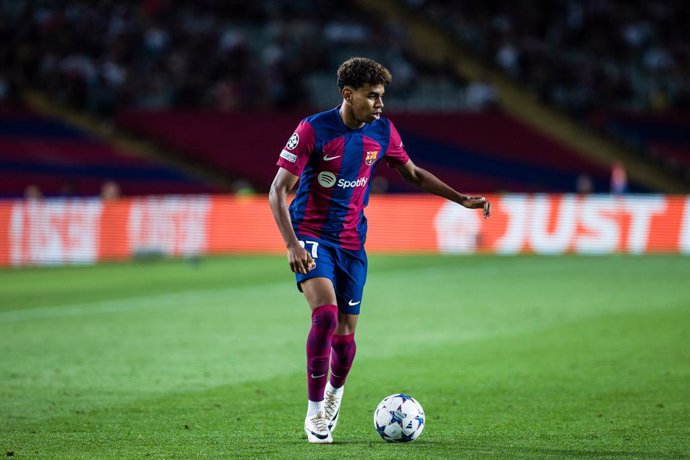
(477, 202)
(300, 260)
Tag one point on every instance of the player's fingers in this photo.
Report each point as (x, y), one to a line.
(297, 266)
(306, 265)
(477, 201)
(487, 209)
(292, 262)
(302, 267)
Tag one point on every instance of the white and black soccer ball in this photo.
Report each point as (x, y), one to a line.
(399, 418)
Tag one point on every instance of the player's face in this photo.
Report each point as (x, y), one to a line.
(367, 103)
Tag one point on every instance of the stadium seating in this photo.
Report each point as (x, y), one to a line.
(63, 161)
(666, 136)
(482, 152)
(213, 79)
(616, 65)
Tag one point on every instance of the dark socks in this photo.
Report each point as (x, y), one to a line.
(324, 320)
(342, 355)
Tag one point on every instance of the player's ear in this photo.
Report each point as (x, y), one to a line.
(347, 94)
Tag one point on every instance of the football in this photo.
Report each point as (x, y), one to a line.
(399, 418)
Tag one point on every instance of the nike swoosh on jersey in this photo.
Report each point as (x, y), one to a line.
(352, 303)
(327, 158)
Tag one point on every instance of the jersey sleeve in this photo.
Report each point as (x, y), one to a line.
(395, 154)
(295, 154)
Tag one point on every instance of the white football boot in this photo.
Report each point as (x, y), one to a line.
(331, 401)
(316, 429)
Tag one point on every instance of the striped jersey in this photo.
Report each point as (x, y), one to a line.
(335, 165)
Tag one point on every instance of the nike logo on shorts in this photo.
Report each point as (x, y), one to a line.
(352, 303)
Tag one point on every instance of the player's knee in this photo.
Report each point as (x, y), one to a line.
(326, 318)
(346, 324)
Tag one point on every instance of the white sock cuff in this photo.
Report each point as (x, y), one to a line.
(334, 390)
(313, 407)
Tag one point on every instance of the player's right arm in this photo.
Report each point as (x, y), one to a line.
(299, 259)
(432, 184)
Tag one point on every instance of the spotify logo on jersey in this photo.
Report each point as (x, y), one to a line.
(326, 179)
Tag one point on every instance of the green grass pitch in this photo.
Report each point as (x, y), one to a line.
(511, 357)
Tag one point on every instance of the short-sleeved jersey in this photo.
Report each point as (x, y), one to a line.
(335, 165)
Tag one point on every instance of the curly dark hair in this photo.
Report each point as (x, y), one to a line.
(358, 71)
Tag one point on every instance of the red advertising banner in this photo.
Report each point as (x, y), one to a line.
(85, 231)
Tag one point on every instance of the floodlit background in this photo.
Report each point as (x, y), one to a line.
(147, 310)
(163, 113)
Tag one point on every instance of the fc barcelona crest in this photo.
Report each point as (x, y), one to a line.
(371, 157)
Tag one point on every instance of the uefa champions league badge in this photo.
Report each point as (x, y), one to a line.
(293, 141)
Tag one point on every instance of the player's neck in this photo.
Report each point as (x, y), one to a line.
(348, 117)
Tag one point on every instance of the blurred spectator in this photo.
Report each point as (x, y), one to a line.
(32, 192)
(4, 89)
(507, 58)
(584, 184)
(242, 187)
(481, 95)
(110, 190)
(619, 179)
(8, 90)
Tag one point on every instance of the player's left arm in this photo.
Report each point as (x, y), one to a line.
(426, 181)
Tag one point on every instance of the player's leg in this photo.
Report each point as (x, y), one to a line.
(343, 348)
(321, 297)
(350, 276)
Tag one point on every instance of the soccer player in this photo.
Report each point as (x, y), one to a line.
(333, 155)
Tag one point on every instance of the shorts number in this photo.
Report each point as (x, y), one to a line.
(314, 247)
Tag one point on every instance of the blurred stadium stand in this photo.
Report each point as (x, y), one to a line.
(665, 136)
(519, 160)
(223, 83)
(61, 160)
(620, 67)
